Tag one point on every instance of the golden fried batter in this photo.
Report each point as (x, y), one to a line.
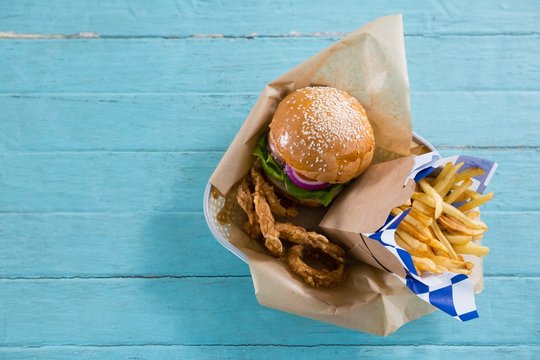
(245, 200)
(267, 222)
(301, 236)
(270, 195)
(314, 277)
(260, 207)
(254, 231)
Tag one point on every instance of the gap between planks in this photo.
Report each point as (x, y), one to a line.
(159, 212)
(219, 151)
(255, 95)
(89, 35)
(182, 277)
(417, 346)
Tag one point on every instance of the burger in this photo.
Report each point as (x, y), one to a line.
(319, 139)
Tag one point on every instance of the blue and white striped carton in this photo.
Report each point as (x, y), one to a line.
(449, 292)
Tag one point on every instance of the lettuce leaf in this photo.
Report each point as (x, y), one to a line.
(273, 169)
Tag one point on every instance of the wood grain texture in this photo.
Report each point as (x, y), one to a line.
(206, 311)
(181, 18)
(240, 66)
(107, 139)
(179, 244)
(168, 122)
(268, 352)
(157, 181)
(105, 181)
(97, 245)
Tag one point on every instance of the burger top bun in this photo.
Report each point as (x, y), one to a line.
(323, 133)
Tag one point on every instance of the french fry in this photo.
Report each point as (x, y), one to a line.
(443, 269)
(476, 202)
(435, 195)
(453, 265)
(435, 232)
(425, 264)
(457, 239)
(440, 236)
(446, 169)
(414, 232)
(406, 246)
(463, 197)
(402, 243)
(472, 249)
(459, 216)
(454, 226)
(413, 219)
(428, 240)
(425, 199)
(426, 220)
(469, 173)
(468, 195)
(418, 225)
(472, 194)
(458, 191)
(443, 185)
(418, 246)
(423, 208)
(478, 236)
(462, 271)
(441, 253)
(450, 263)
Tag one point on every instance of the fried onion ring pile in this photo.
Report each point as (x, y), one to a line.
(291, 243)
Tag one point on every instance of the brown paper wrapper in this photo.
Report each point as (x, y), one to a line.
(364, 207)
(369, 64)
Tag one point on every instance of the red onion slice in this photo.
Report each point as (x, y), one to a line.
(303, 183)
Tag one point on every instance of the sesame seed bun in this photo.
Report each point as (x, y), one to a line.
(323, 133)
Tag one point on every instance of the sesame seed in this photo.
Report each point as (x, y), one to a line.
(329, 122)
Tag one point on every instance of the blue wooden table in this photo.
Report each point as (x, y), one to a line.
(113, 115)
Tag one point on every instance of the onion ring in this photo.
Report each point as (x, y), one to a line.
(311, 276)
(260, 206)
(299, 235)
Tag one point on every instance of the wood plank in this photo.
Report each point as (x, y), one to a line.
(157, 181)
(177, 17)
(167, 122)
(165, 244)
(98, 245)
(239, 65)
(150, 352)
(204, 311)
(104, 181)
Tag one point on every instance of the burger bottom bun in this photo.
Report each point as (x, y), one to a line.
(280, 186)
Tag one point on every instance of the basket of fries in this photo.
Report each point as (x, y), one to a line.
(396, 240)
